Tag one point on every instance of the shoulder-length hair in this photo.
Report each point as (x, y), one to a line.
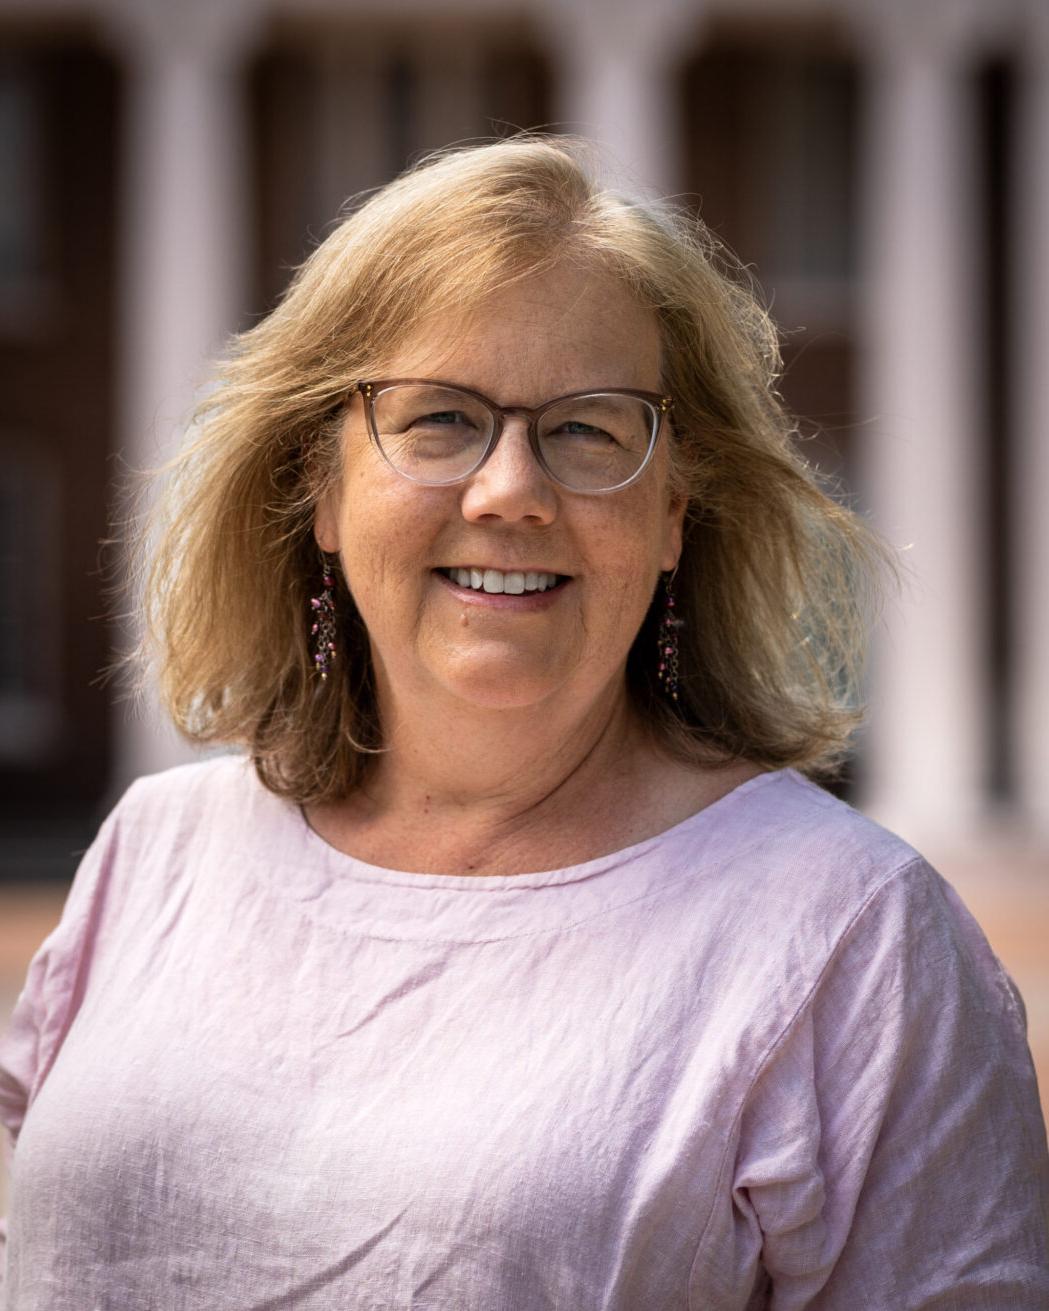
(775, 578)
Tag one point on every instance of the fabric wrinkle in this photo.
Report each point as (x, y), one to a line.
(751, 1061)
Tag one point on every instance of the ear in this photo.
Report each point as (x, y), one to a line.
(326, 522)
(327, 512)
(674, 534)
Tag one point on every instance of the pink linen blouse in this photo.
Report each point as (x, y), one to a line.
(764, 1060)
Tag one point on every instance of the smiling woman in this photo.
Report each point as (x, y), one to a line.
(499, 513)
(775, 580)
(515, 961)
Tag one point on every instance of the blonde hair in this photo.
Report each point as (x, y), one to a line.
(775, 578)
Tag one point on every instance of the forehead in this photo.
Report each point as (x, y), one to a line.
(563, 330)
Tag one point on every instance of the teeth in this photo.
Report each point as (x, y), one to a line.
(513, 582)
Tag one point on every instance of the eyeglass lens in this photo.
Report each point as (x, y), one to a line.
(436, 434)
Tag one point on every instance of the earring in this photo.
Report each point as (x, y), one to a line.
(667, 667)
(323, 628)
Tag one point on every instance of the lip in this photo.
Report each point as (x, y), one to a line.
(525, 602)
(508, 568)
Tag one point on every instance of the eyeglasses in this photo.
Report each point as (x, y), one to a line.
(438, 434)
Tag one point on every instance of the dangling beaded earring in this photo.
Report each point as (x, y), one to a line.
(323, 628)
(667, 667)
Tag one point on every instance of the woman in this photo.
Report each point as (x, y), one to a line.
(515, 964)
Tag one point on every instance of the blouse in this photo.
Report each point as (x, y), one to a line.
(765, 1059)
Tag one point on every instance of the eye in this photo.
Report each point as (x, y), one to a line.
(577, 428)
(444, 417)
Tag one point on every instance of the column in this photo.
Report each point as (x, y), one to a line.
(919, 450)
(185, 250)
(615, 66)
(1030, 492)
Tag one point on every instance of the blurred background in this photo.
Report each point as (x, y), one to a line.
(882, 168)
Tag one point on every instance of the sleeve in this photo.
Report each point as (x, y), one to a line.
(51, 994)
(892, 1152)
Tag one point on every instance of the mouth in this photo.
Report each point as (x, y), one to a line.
(512, 582)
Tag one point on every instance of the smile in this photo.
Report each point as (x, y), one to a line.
(514, 582)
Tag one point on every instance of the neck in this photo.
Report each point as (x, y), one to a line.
(465, 789)
(498, 765)
(462, 788)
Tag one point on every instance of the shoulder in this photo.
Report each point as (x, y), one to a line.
(859, 887)
(891, 1091)
(179, 804)
(803, 902)
(856, 919)
(163, 819)
(170, 825)
(148, 852)
(789, 813)
(789, 856)
(194, 785)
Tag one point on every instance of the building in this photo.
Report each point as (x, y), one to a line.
(883, 165)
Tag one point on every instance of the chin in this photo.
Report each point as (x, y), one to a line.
(501, 684)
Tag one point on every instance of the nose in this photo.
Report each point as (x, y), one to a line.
(510, 484)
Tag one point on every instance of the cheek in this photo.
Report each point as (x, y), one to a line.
(386, 531)
(628, 563)
(637, 544)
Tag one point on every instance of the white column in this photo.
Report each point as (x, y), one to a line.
(1030, 491)
(615, 68)
(920, 459)
(184, 258)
